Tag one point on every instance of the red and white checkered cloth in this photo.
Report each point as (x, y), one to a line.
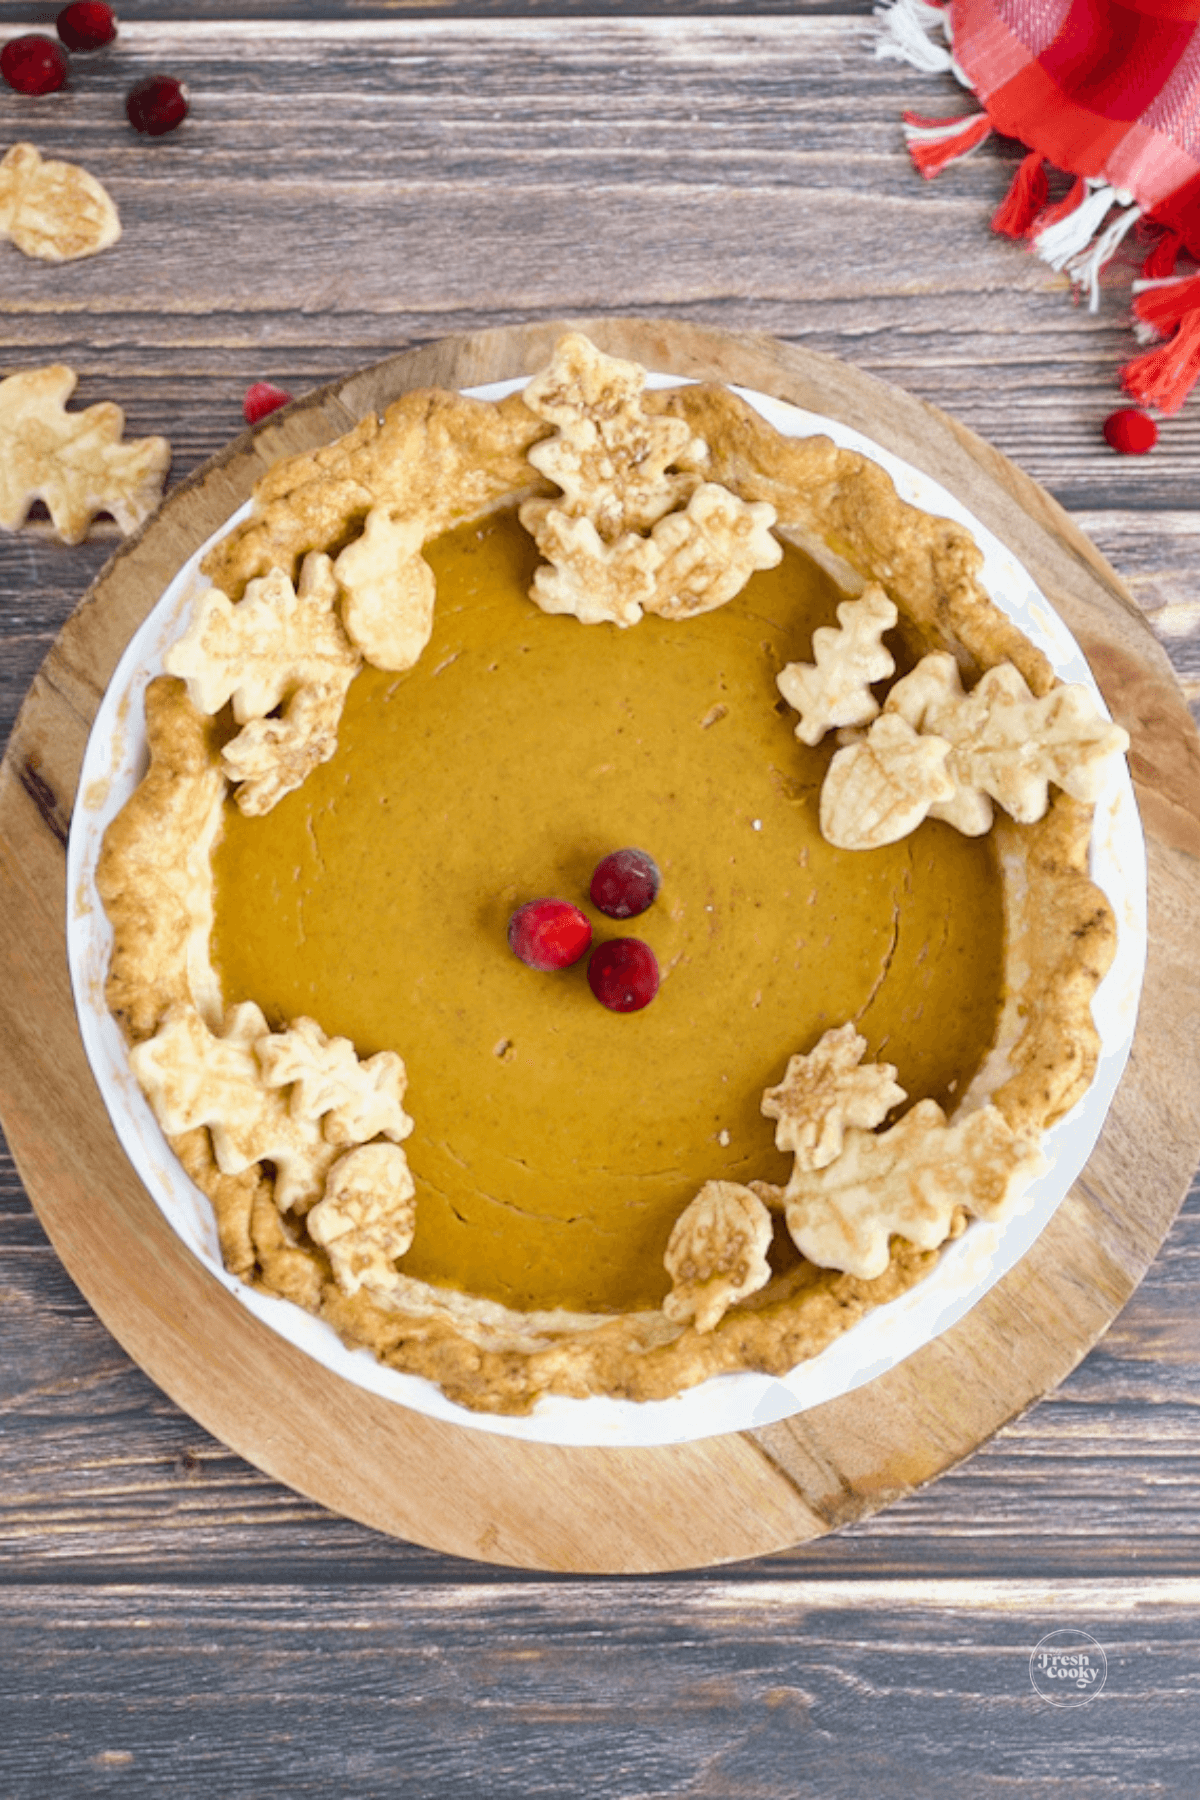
(1110, 94)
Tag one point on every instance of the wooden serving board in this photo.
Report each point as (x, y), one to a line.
(593, 1510)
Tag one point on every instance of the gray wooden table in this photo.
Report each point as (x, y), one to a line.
(355, 179)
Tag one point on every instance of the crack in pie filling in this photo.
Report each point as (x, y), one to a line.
(447, 665)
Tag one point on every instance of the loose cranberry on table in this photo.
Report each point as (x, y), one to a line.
(1130, 431)
(625, 884)
(262, 399)
(86, 25)
(34, 64)
(549, 934)
(623, 974)
(156, 105)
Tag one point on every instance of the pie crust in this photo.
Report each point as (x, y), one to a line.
(434, 460)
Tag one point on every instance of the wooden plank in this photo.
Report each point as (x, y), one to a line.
(718, 172)
(825, 1691)
(103, 1479)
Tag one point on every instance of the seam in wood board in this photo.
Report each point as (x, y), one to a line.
(43, 797)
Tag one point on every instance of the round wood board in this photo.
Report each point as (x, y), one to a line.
(595, 1510)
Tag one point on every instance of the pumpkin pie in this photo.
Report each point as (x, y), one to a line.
(445, 666)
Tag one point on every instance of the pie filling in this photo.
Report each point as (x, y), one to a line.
(557, 1143)
(410, 703)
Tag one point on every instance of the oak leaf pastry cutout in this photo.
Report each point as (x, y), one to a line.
(278, 645)
(835, 688)
(54, 211)
(716, 1254)
(827, 1091)
(193, 1076)
(631, 533)
(75, 462)
(387, 590)
(908, 1183)
(357, 1100)
(366, 1217)
(880, 788)
(1006, 744)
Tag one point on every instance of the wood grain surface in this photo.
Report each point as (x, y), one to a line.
(535, 1505)
(454, 172)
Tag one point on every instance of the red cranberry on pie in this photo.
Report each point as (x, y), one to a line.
(623, 974)
(549, 934)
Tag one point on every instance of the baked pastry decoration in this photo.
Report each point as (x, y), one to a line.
(281, 646)
(835, 689)
(823, 1093)
(380, 735)
(626, 472)
(937, 751)
(907, 1182)
(717, 1254)
(75, 462)
(293, 1099)
(387, 590)
(54, 211)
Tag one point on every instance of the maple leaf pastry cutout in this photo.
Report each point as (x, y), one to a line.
(236, 1081)
(1006, 745)
(614, 461)
(937, 751)
(356, 1100)
(827, 1091)
(75, 462)
(194, 1076)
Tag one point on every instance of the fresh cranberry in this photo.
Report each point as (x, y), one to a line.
(86, 25)
(156, 105)
(625, 884)
(262, 399)
(549, 934)
(34, 64)
(1130, 431)
(623, 974)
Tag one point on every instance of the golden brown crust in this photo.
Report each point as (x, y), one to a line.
(146, 875)
(929, 566)
(1071, 942)
(435, 455)
(794, 1319)
(232, 1197)
(447, 458)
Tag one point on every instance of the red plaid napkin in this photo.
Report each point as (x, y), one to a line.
(1109, 93)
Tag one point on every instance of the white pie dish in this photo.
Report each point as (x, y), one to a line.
(113, 765)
